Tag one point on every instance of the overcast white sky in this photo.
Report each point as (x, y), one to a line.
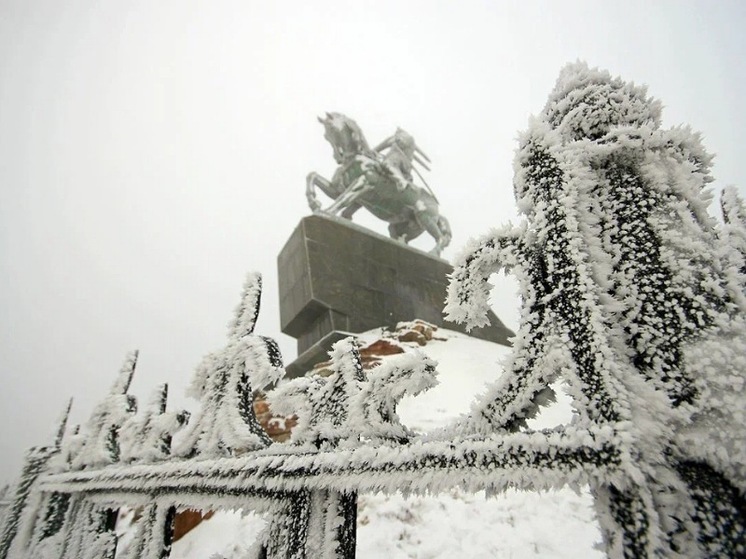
(151, 153)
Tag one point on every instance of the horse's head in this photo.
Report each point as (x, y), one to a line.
(344, 135)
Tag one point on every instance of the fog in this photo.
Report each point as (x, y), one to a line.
(152, 153)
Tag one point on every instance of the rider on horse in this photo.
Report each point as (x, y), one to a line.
(379, 180)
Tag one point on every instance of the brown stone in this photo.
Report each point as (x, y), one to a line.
(418, 331)
(186, 520)
(412, 336)
(277, 427)
(380, 347)
(370, 355)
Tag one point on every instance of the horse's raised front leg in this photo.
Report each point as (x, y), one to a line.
(313, 180)
(350, 196)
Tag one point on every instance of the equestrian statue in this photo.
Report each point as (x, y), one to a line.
(379, 180)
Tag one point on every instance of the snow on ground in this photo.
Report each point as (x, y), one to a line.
(514, 524)
(466, 366)
(226, 533)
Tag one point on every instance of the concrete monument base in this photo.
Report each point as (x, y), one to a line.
(337, 278)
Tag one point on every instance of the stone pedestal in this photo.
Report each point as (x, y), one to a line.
(337, 278)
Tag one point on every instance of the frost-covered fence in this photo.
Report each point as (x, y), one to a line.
(70, 492)
(633, 296)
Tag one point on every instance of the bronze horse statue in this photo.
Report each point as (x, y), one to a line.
(379, 180)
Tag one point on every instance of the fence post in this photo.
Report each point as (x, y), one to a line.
(20, 512)
(332, 525)
(344, 524)
(90, 532)
(154, 532)
(288, 531)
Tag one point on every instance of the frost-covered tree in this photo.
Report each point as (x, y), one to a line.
(625, 281)
(226, 424)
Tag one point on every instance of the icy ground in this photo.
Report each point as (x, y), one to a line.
(511, 525)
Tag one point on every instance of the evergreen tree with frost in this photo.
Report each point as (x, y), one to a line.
(631, 296)
(100, 445)
(226, 424)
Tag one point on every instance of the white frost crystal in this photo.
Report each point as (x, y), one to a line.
(634, 298)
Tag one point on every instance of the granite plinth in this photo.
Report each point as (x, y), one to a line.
(337, 278)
